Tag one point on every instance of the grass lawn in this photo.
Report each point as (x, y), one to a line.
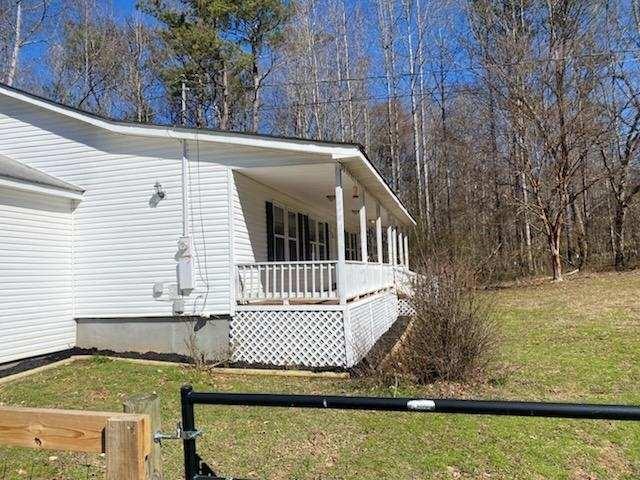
(576, 341)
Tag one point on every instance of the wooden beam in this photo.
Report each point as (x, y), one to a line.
(41, 428)
(127, 442)
(80, 431)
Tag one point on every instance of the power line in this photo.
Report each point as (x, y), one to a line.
(468, 68)
(449, 90)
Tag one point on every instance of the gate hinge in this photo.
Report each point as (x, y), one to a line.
(179, 434)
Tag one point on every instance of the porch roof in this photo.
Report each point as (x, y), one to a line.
(352, 156)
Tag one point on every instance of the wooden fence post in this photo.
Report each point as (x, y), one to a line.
(125, 446)
(148, 404)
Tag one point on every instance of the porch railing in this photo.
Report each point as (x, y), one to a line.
(286, 281)
(363, 278)
(314, 280)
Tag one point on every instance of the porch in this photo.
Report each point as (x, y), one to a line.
(292, 215)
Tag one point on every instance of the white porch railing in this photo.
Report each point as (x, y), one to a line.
(317, 280)
(363, 278)
(286, 281)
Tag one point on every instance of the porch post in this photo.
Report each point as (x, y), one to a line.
(378, 233)
(390, 244)
(363, 227)
(406, 251)
(394, 236)
(341, 265)
(401, 248)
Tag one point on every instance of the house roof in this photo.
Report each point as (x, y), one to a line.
(15, 173)
(340, 151)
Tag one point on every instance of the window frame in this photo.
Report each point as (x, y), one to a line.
(285, 236)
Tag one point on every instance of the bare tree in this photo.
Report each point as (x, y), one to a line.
(23, 28)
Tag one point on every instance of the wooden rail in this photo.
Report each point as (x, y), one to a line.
(125, 438)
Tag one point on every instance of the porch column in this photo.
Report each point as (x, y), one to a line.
(401, 248)
(406, 251)
(394, 240)
(363, 227)
(341, 265)
(390, 244)
(378, 233)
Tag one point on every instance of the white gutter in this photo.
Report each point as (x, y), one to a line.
(158, 131)
(43, 189)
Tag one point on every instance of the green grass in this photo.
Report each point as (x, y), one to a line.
(576, 341)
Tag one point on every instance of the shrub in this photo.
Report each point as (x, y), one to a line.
(452, 336)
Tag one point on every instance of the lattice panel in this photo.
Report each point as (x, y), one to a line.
(368, 321)
(405, 309)
(310, 338)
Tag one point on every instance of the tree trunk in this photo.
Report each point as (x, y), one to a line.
(581, 234)
(224, 118)
(414, 114)
(255, 103)
(553, 237)
(618, 235)
(13, 65)
(527, 225)
(389, 70)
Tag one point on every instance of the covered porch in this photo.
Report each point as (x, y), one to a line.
(317, 231)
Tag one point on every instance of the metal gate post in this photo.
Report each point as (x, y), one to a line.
(188, 424)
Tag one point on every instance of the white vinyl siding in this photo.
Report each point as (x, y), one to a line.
(124, 245)
(35, 275)
(250, 221)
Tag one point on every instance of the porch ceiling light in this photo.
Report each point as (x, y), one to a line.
(355, 192)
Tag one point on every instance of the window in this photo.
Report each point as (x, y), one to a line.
(292, 236)
(318, 239)
(352, 246)
(372, 245)
(282, 234)
(278, 234)
(292, 233)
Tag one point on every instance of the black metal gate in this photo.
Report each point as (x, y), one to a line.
(196, 469)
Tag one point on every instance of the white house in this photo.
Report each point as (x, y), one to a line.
(295, 249)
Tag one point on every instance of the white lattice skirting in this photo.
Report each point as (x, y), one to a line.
(405, 309)
(329, 336)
